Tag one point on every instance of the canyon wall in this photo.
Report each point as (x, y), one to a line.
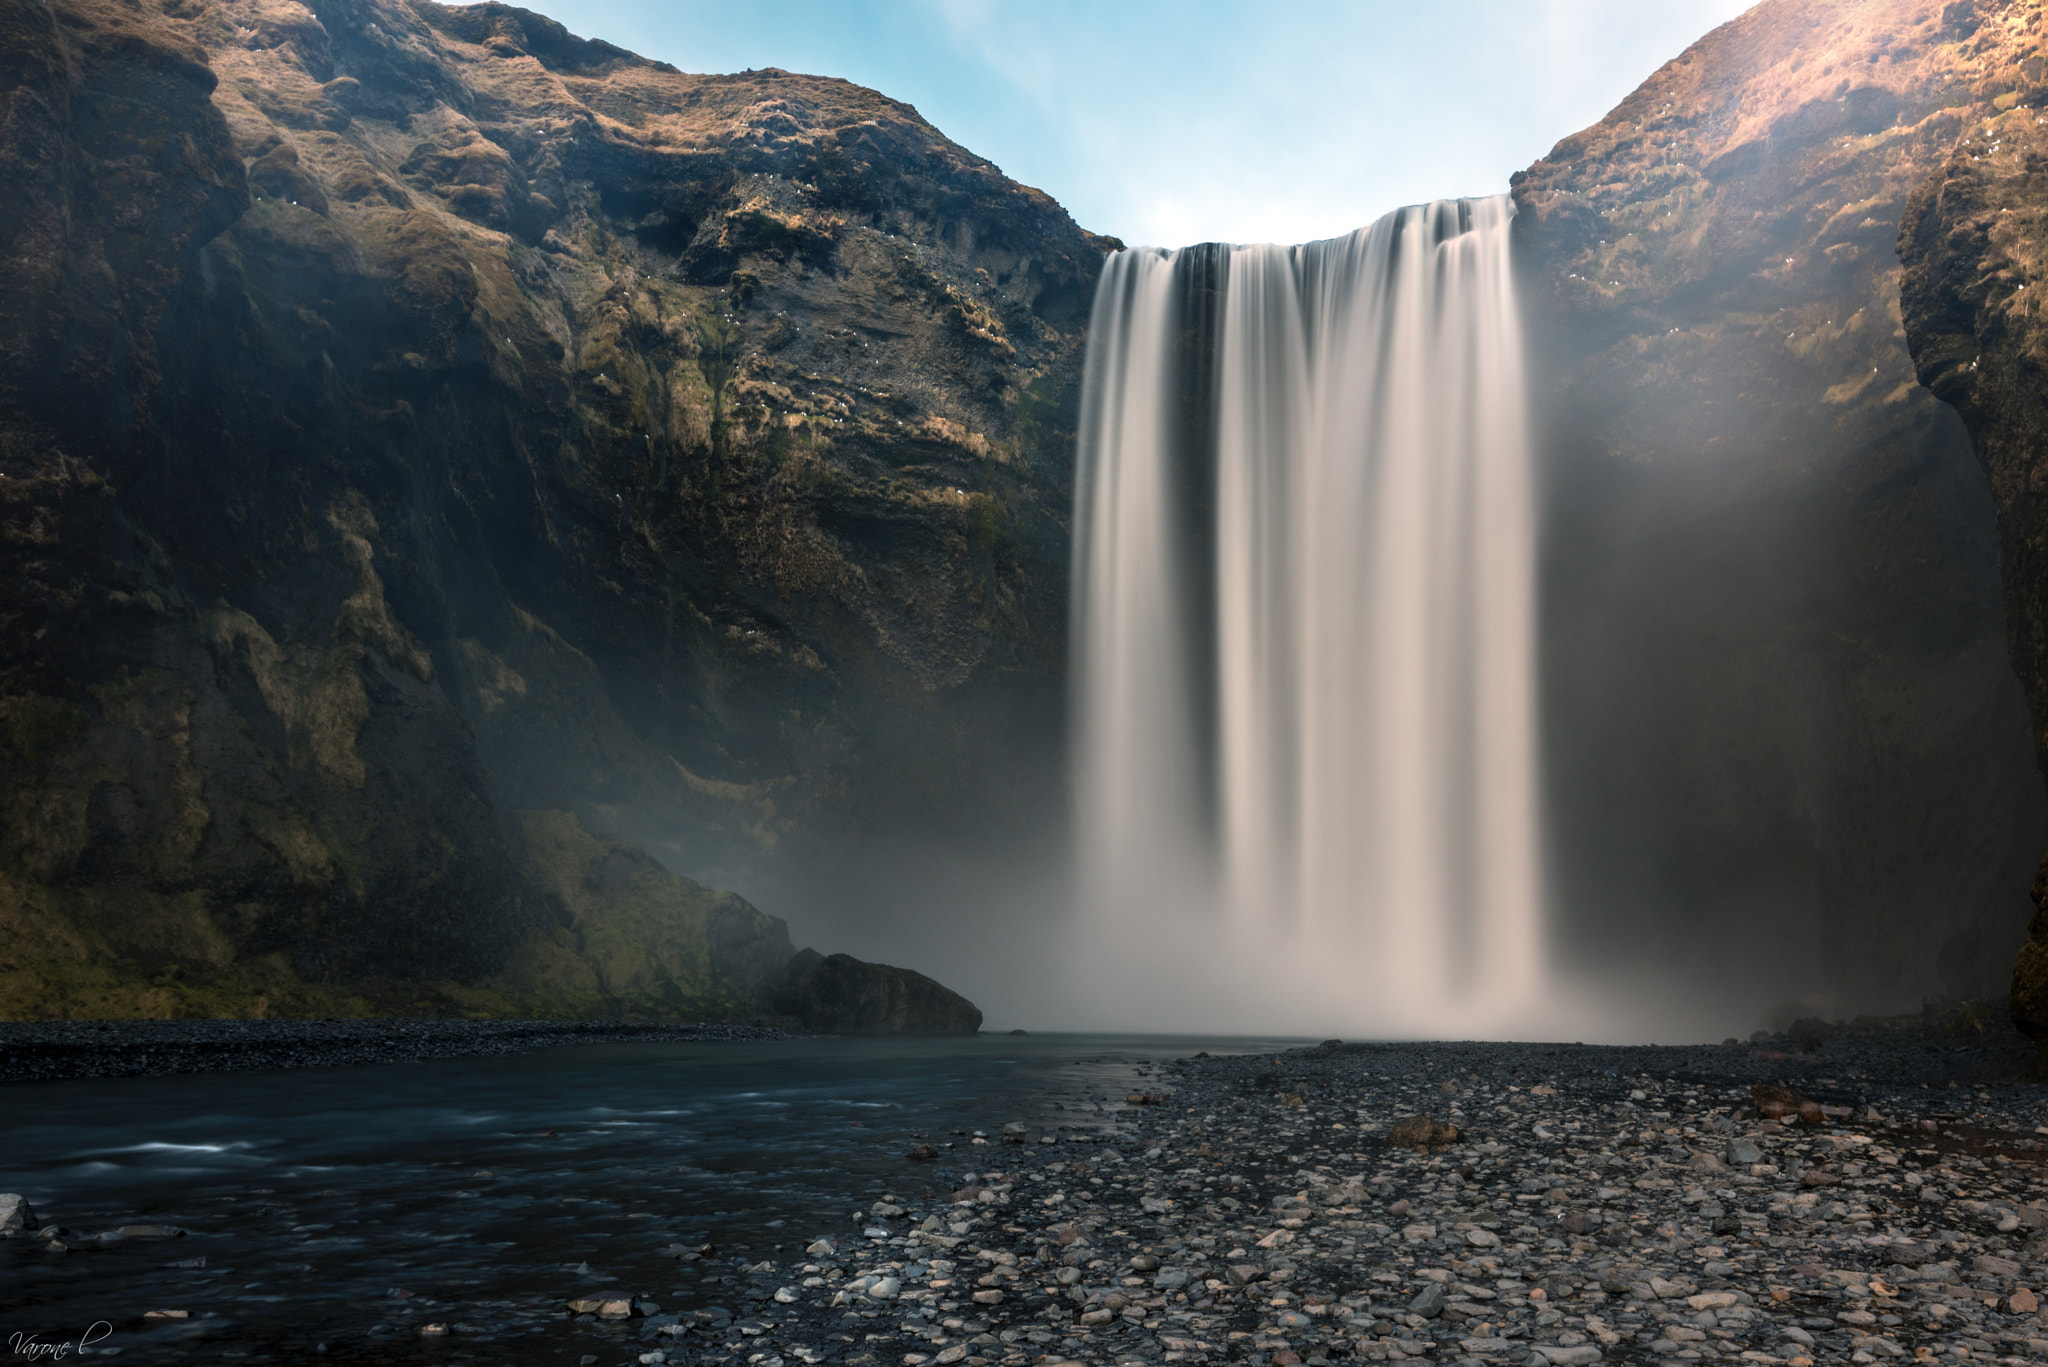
(1974, 241)
(1787, 748)
(412, 416)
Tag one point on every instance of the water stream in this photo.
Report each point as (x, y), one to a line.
(331, 1213)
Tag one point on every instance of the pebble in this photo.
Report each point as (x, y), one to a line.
(1570, 1221)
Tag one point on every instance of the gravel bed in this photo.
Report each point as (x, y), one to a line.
(48, 1051)
(1596, 1204)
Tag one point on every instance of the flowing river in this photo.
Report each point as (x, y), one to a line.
(330, 1215)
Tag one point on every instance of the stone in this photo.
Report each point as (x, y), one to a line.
(988, 1297)
(1482, 1238)
(16, 1213)
(842, 994)
(1575, 1355)
(2022, 1302)
(1015, 1132)
(150, 1232)
(1422, 1133)
(921, 1153)
(1775, 1103)
(1743, 1152)
(1429, 1302)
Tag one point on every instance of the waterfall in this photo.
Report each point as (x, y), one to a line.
(1304, 634)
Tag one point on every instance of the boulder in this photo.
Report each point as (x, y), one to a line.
(16, 1213)
(840, 994)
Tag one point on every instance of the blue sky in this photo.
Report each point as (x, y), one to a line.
(1175, 123)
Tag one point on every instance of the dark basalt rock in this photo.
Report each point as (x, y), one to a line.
(840, 994)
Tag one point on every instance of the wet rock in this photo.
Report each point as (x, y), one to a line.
(843, 995)
(16, 1213)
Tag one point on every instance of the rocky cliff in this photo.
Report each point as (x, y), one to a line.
(1787, 745)
(411, 416)
(1974, 242)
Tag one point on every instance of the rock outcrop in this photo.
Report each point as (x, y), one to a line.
(1975, 247)
(1787, 745)
(842, 995)
(412, 415)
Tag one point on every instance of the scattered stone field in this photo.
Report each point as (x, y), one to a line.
(1865, 1199)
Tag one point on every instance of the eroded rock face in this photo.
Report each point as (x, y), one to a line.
(1776, 667)
(1974, 241)
(414, 414)
(840, 994)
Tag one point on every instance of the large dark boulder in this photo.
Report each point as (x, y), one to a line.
(840, 994)
(414, 415)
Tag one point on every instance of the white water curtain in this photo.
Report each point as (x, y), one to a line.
(1304, 634)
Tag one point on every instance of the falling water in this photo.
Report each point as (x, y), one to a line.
(1304, 630)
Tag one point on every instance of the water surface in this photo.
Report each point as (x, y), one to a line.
(331, 1213)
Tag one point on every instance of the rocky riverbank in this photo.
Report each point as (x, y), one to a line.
(51, 1051)
(1573, 1204)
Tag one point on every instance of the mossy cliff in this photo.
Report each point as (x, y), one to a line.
(413, 415)
(1787, 739)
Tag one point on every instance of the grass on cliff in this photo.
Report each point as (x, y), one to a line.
(629, 940)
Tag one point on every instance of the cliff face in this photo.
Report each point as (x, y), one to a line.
(1975, 246)
(1786, 740)
(412, 415)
